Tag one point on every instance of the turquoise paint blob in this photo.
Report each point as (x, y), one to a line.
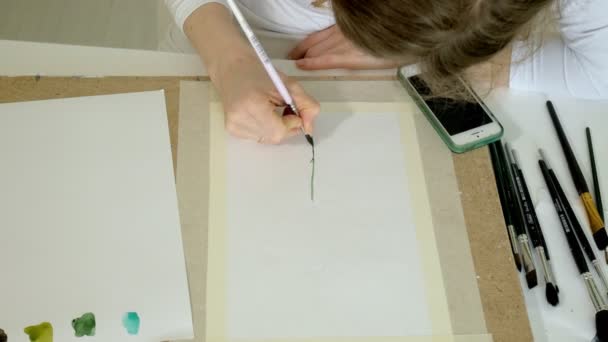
(130, 321)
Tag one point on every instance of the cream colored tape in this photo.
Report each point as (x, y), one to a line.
(434, 338)
(216, 253)
(216, 294)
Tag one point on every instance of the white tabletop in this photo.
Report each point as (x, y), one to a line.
(528, 128)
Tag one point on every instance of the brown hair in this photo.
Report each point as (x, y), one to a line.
(445, 36)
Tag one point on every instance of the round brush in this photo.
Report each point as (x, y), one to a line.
(535, 231)
(595, 220)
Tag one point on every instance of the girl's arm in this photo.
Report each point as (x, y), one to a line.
(247, 93)
(209, 27)
(572, 62)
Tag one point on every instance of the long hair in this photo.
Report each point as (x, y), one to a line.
(446, 37)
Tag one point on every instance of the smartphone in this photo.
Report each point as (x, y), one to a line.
(463, 125)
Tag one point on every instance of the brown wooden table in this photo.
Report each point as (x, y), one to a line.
(499, 286)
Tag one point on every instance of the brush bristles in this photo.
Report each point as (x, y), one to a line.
(601, 238)
(518, 261)
(601, 324)
(531, 279)
(551, 293)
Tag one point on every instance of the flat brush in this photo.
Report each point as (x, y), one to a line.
(595, 220)
(576, 227)
(601, 310)
(535, 231)
(505, 198)
(526, 252)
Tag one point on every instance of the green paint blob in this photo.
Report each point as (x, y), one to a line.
(84, 325)
(3, 337)
(131, 322)
(42, 332)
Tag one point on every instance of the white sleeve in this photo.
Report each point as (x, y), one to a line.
(181, 9)
(573, 62)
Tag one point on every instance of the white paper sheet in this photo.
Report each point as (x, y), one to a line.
(89, 220)
(346, 264)
(528, 127)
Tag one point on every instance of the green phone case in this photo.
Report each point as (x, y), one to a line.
(439, 128)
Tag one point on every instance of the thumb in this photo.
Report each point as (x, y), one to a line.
(308, 107)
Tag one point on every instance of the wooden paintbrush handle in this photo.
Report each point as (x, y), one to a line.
(596, 222)
(594, 217)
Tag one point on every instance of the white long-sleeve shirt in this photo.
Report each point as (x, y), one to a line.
(571, 62)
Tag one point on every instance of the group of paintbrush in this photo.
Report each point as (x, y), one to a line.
(579, 246)
(520, 217)
(577, 240)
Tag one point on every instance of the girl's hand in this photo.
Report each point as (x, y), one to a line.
(249, 96)
(329, 49)
(250, 101)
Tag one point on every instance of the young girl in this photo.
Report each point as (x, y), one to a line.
(446, 37)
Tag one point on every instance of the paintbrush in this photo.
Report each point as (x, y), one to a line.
(526, 252)
(601, 310)
(596, 182)
(535, 231)
(499, 174)
(268, 66)
(577, 228)
(595, 220)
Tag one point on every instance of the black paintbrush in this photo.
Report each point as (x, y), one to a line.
(596, 182)
(499, 173)
(526, 251)
(578, 229)
(601, 315)
(596, 222)
(535, 231)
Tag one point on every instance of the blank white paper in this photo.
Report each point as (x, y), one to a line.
(346, 264)
(89, 219)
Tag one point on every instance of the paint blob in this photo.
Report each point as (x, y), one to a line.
(42, 332)
(131, 322)
(84, 325)
(3, 337)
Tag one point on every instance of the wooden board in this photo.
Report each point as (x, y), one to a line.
(501, 296)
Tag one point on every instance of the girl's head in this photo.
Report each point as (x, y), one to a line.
(446, 36)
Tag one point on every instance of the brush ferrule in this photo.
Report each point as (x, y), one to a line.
(293, 107)
(526, 253)
(513, 238)
(594, 293)
(545, 265)
(600, 273)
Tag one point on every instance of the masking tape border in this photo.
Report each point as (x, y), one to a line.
(216, 271)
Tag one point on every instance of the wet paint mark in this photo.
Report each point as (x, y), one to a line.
(130, 321)
(3, 337)
(84, 325)
(42, 332)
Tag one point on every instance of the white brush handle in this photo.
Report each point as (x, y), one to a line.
(262, 55)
